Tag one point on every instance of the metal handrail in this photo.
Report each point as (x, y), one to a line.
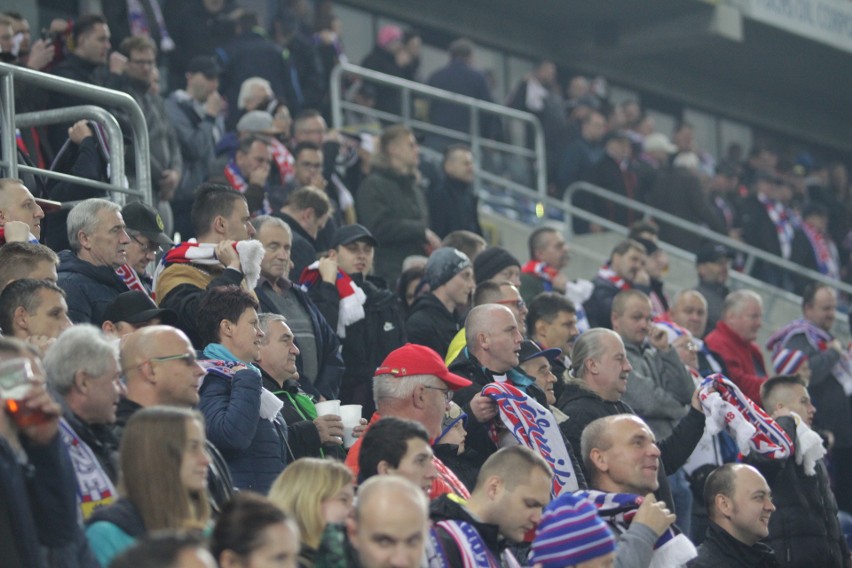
(98, 95)
(475, 105)
(750, 251)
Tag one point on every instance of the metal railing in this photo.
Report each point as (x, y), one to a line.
(472, 137)
(751, 253)
(9, 121)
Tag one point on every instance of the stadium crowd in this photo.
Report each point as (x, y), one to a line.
(297, 356)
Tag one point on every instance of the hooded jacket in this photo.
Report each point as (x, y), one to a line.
(430, 323)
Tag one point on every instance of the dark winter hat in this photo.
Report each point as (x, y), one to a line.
(137, 307)
(491, 261)
(444, 263)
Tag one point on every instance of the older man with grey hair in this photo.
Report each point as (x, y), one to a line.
(98, 238)
(599, 374)
(82, 369)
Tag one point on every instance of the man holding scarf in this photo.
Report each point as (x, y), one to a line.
(831, 375)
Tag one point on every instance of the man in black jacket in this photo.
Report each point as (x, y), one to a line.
(740, 505)
(319, 363)
(433, 320)
(511, 491)
(804, 530)
(368, 340)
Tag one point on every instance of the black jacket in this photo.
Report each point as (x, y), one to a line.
(583, 407)
(599, 306)
(330, 364)
(122, 514)
(88, 288)
(367, 341)
(803, 530)
(430, 323)
(720, 549)
(101, 441)
(453, 207)
(303, 251)
(220, 486)
(445, 509)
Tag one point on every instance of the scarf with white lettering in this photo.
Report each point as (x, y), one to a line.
(94, 488)
(139, 25)
(783, 220)
(471, 547)
(825, 251)
(534, 426)
(130, 278)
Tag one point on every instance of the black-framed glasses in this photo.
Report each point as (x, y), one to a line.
(152, 246)
(448, 394)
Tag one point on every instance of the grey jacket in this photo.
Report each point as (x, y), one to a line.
(659, 388)
(195, 132)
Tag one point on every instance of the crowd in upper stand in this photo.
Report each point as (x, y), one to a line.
(179, 357)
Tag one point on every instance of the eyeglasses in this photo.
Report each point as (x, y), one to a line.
(188, 358)
(689, 346)
(520, 304)
(448, 394)
(152, 246)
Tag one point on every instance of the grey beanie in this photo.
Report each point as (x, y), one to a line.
(444, 263)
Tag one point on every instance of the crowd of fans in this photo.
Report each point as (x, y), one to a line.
(166, 370)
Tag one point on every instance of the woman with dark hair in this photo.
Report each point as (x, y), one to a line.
(163, 479)
(242, 417)
(253, 533)
(407, 286)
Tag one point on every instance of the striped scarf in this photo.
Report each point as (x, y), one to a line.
(818, 339)
(783, 221)
(534, 426)
(725, 406)
(130, 278)
(471, 547)
(192, 252)
(824, 251)
(351, 297)
(542, 271)
(618, 510)
(609, 275)
(94, 488)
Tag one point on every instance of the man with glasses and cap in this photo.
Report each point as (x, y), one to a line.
(147, 239)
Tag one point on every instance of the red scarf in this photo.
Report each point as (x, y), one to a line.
(825, 259)
(352, 297)
(130, 278)
(542, 271)
(283, 159)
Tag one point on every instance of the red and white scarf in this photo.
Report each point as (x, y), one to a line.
(192, 252)
(283, 159)
(352, 297)
(451, 479)
(239, 183)
(609, 275)
(542, 271)
(818, 339)
(827, 258)
(130, 278)
(725, 406)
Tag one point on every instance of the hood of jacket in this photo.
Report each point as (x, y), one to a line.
(71, 263)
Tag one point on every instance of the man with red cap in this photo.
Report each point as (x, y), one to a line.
(414, 383)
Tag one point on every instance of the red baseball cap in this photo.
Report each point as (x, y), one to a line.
(412, 359)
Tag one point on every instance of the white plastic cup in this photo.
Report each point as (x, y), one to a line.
(328, 407)
(351, 416)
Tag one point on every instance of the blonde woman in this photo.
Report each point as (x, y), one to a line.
(316, 493)
(163, 481)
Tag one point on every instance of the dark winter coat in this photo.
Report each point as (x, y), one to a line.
(88, 288)
(430, 323)
(721, 549)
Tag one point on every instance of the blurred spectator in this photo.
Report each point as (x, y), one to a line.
(302, 56)
(734, 339)
(689, 310)
(391, 206)
(38, 487)
(167, 550)
(581, 154)
(619, 273)
(389, 56)
(453, 205)
(82, 369)
(220, 217)
(813, 247)
(762, 159)
(145, 228)
(164, 481)
(459, 76)
(194, 112)
(250, 54)
(198, 27)
(654, 158)
(407, 286)
(306, 171)
(549, 254)
(134, 310)
(722, 191)
(87, 272)
(656, 267)
(255, 93)
(712, 262)
(142, 18)
(611, 172)
(319, 363)
(306, 212)
(497, 264)
(34, 311)
(164, 149)
(435, 317)
(552, 323)
(467, 242)
(20, 213)
(26, 260)
(242, 418)
(252, 529)
(248, 173)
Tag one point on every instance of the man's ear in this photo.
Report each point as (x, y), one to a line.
(723, 504)
(598, 459)
(332, 254)
(21, 319)
(81, 381)
(220, 225)
(383, 468)
(417, 397)
(493, 487)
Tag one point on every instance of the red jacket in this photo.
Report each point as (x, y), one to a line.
(742, 358)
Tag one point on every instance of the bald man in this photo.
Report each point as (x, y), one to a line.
(160, 368)
(390, 525)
